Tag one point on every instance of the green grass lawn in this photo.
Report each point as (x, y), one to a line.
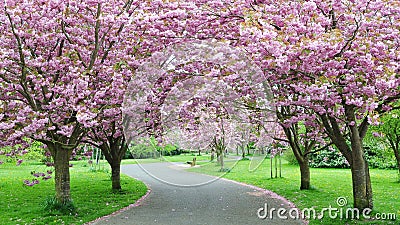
(90, 190)
(92, 195)
(327, 186)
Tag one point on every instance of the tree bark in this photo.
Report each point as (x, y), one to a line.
(222, 161)
(272, 172)
(304, 174)
(218, 157)
(276, 166)
(362, 190)
(369, 186)
(362, 194)
(116, 175)
(397, 155)
(305, 181)
(62, 176)
(280, 165)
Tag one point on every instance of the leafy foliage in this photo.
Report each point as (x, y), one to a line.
(378, 150)
(328, 159)
(37, 152)
(289, 156)
(378, 156)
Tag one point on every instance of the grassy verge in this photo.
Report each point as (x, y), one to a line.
(90, 190)
(327, 186)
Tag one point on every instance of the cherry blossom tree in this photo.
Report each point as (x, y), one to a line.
(209, 118)
(200, 87)
(57, 59)
(121, 55)
(191, 72)
(304, 137)
(340, 57)
(137, 37)
(246, 133)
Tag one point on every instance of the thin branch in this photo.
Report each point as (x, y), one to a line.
(25, 92)
(96, 38)
(71, 42)
(280, 139)
(320, 149)
(349, 41)
(91, 143)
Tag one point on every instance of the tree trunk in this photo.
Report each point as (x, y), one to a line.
(398, 165)
(114, 152)
(354, 154)
(115, 175)
(218, 157)
(276, 166)
(304, 174)
(397, 155)
(359, 186)
(222, 161)
(304, 166)
(362, 191)
(300, 151)
(280, 165)
(272, 175)
(369, 186)
(62, 176)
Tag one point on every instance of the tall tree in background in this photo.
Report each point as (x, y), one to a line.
(389, 128)
(303, 137)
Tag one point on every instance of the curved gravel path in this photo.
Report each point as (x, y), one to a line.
(181, 197)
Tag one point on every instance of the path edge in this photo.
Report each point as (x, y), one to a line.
(266, 191)
(272, 194)
(137, 203)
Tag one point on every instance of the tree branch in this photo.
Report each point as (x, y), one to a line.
(96, 38)
(320, 149)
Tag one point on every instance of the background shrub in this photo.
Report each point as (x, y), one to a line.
(328, 159)
(288, 155)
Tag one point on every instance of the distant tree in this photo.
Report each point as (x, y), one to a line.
(389, 128)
